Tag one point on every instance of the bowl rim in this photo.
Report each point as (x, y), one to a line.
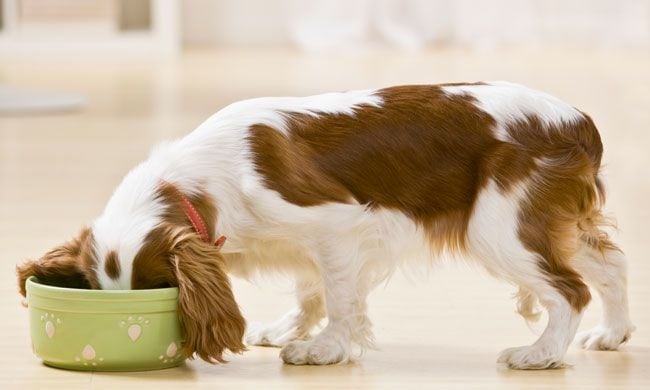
(47, 291)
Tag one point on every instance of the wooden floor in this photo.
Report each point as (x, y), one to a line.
(441, 327)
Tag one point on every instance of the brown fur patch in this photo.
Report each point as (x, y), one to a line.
(152, 266)
(428, 155)
(420, 153)
(68, 265)
(112, 265)
(289, 169)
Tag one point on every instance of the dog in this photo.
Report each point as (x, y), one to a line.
(338, 190)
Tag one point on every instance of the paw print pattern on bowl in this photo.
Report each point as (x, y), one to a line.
(88, 356)
(134, 326)
(171, 354)
(51, 323)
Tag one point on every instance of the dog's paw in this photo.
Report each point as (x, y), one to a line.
(603, 338)
(532, 357)
(273, 335)
(318, 351)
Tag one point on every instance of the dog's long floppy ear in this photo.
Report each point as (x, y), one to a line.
(63, 266)
(207, 309)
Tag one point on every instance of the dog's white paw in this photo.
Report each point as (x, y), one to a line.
(277, 334)
(532, 357)
(318, 351)
(603, 338)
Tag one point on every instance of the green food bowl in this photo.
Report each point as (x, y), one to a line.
(102, 330)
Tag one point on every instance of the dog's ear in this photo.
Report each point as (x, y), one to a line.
(207, 309)
(63, 266)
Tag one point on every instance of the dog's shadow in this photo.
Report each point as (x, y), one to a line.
(427, 363)
(393, 362)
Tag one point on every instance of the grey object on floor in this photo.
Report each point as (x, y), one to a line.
(22, 101)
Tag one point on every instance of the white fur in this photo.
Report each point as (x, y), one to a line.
(507, 102)
(493, 237)
(131, 213)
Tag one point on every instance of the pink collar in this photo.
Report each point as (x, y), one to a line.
(197, 221)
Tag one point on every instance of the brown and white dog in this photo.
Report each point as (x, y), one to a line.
(341, 188)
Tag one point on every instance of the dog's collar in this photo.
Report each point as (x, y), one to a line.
(196, 219)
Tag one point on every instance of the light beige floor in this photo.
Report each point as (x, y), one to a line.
(440, 330)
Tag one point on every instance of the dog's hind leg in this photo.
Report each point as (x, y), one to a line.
(297, 323)
(603, 266)
(512, 244)
(549, 350)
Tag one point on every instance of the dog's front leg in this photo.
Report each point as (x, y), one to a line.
(345, 297)
(297, 323)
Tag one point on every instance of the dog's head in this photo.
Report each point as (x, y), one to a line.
(168, 254)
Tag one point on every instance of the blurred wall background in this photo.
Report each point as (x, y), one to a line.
(413, 24)
(166, 26)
